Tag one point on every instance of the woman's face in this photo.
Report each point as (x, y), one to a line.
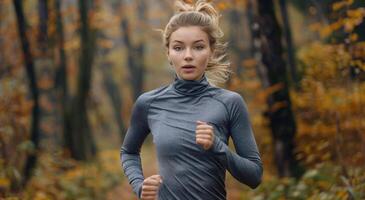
(189, 52)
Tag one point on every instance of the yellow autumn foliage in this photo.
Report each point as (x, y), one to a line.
(330, 106)
(70, 179)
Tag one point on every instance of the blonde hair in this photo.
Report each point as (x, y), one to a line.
(204, 15)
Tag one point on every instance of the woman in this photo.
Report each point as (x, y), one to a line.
(191, 119)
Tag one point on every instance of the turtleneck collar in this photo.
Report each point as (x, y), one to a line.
(190, 87)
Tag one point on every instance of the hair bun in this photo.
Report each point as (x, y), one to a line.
(206, 8)
(182, 6)
(201, 6)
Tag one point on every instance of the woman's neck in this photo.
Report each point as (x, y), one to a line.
(190, 87)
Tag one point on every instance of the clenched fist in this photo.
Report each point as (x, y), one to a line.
(150, 187)
(204, 135)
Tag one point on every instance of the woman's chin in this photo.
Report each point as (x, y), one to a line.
(190, 77)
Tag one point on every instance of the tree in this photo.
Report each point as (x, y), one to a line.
(43, 28)
(135, 55)
(279, 113)
(45, 64)
(61, 72)
(236, 43)
(78, 136)
(111, 86)
(29, 65)
(290, 50)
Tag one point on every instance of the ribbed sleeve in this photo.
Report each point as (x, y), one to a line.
(245, 165)
(135, 136)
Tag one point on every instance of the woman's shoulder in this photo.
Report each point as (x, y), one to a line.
(228, 96)
(148, 96)
(233, 101)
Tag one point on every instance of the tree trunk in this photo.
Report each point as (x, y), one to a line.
(289, 44)
(112, 88)
(256, 43)
(78, 134)
(61, 74)
(135, 55)
(282, 122)
(43, 19)
(115, 97)
(34, 130)
(45, 64)
(235, 36)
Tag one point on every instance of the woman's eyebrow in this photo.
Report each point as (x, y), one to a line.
(178, 41)
(199, 41)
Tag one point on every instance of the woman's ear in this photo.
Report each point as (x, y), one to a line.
(170, 62)
(168, 57)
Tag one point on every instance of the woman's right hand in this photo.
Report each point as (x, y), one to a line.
(150, 187)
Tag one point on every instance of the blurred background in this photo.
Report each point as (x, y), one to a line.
(70, 71)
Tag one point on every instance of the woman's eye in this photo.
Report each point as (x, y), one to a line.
(177, 48)
(199, 47)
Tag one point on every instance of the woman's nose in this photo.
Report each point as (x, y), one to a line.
(188, 56)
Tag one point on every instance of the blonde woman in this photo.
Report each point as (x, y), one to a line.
(192, 119)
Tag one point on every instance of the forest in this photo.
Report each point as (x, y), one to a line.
(71, 70)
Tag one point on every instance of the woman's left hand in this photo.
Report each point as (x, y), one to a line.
(204, 135)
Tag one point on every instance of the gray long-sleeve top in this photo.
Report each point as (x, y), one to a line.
(188, 171)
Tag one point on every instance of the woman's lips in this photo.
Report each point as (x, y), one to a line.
(188, 66)
(188, 69)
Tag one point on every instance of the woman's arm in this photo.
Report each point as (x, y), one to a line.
(245, 165)
(130, 150)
